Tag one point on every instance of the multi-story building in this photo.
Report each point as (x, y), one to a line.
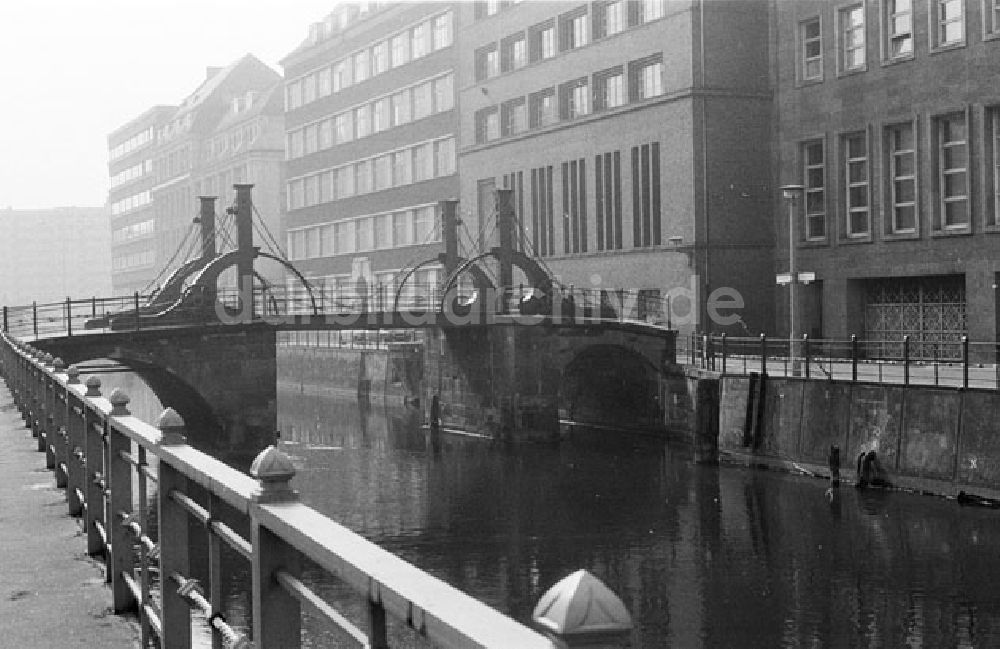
(371, 142)
(888, 113)
(636, 137)
(49, 255)
(130, 166)
(194, 151)
(229, 130)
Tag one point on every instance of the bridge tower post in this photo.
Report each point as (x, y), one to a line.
(505, 229)
(244, 244)
(449, 233)
(206, 218)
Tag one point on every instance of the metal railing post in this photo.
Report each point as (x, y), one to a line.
(763, 354)
(75, 432)
(906, 360)
(277, 615)
(724, 351)
(6, 326)
(965, 361)
(175, 614)
(34, 317)
(137, 319)
(94, 432)
(93, 306)
(69, 316)
(806, 353)
(122, 558)
(854, 358)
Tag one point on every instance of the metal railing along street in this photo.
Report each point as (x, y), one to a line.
(954, 361)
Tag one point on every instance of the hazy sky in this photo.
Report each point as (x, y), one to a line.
(72, 71)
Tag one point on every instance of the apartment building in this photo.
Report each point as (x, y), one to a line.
(888, 113)
(131, 150)
(229, 130)
(372, 127)
(635, 135)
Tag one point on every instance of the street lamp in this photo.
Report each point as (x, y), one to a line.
(791, 193)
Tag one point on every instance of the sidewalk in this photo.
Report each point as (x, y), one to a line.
(51, 593)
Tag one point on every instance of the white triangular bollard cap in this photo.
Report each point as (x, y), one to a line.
(274, 472)
(119, 402)
(581, 604)
(172, 428)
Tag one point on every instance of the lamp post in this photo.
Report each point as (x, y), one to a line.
(791, 193)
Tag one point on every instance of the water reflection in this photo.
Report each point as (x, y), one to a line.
(702, 556)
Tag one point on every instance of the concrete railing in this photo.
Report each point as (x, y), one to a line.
(108, 461)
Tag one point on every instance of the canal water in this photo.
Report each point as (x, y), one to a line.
(703, 556)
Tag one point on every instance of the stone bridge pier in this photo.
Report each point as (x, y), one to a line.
(519, 381)
(222, 381)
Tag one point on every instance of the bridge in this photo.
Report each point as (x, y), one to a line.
(501, 357)
(494, 353)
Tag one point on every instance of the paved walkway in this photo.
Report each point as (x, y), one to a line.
(51, 593)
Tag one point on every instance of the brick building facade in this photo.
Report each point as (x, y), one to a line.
(888, 112)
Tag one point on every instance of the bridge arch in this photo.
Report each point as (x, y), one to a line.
(480, 279)
(612, 384)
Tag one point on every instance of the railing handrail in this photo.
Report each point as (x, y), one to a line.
(446, 616)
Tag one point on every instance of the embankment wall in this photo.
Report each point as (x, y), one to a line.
(940, 440)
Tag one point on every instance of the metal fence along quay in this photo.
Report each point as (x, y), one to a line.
(956, 362)
(153, 506)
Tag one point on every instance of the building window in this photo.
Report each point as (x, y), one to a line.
(814, 173)
(442, 31)
(400, 49)
(380, 57)
(402, 228)
(852, 38)
(487, 62)
(341, 75)
(991, 17)
(312, 138)
(609, 89)
(383, 172)
(513, 117)
(609, 18)
(542, 108)
(326, 134)
(574, 195)
(855, 152)
(993, 172)
(423, 100)
(444, 156)
(573, 29)
(362, 67)
(542, 41)
(486, 8)
(401, 107)
(296, 144)
(514, 52)
(812, 50)
(344, 126)
(646, 195)
(899, 28)
(423, 225)
(542, 227)
(953, 170)
(950, 29)
(293, 96)
(344, 179)
(380, 115)
(423, 162)
(421, 40)
(646, 78)
(363, 177)
(644, 11)
(608, 200)
(574, 99)
(402, 168)
(362, 120)
(487, 125)
(444, 93)
(901, 151)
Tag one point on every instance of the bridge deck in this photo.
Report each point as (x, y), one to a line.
(51, 594)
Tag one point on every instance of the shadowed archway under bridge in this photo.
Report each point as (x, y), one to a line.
(221, 381)
(612, 385)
